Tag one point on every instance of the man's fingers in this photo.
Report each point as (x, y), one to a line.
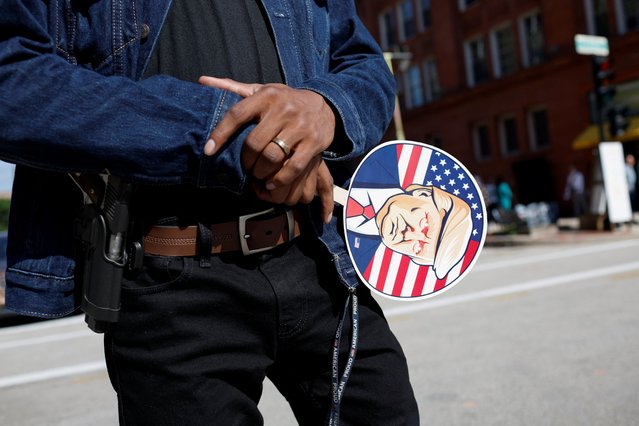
(269, 161)
(304, 189)
(235, 117)
(210, 147)
(310, 186)
(259, 156)
(277, 196)
(273, 155)
(325, 191)
(292, 169)
(243, 89)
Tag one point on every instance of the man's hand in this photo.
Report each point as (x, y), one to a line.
(301, 119)
(315, 180)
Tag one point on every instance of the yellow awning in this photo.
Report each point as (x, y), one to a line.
(589, 138)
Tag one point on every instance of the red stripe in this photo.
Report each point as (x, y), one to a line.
(399, 150)
(420, 280)
(383, 270)
(412, 166)
(439, 284)
(401, 275)
(473, 246)
(369, 268)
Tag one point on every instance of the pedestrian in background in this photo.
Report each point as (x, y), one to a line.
(631, 177)
(575, 191)
(504, 195)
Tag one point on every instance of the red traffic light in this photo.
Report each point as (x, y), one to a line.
(603, 70)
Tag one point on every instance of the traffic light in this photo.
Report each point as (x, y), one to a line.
(616, 115)
(603, 75)
(618, 120)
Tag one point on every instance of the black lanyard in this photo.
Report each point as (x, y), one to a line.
(338, 385)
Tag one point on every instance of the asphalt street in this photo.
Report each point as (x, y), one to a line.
(544, 331)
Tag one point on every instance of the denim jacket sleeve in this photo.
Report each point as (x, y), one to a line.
(358, 83)
(60, 116)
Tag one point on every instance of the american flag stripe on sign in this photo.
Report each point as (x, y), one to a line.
(397, 275)
(473, 246)
(418, 287)
(402, 276)
(412, 164)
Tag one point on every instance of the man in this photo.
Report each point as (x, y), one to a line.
(222, 113)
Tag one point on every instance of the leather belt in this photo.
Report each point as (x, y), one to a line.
(251, 233)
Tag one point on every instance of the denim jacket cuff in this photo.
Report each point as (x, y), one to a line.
(347, 114)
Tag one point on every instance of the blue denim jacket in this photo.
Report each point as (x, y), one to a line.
(73, 100)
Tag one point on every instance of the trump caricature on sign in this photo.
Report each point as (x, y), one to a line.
(415, 220)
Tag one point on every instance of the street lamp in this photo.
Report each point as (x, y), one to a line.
(404, 59)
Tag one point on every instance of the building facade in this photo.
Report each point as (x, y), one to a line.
(499, 85)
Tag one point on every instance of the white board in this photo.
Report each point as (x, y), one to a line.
(615, 183)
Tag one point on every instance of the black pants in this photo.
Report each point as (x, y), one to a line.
(194, 344)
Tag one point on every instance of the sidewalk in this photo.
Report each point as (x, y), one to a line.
(565, 230)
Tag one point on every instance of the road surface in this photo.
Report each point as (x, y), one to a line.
(538, 334)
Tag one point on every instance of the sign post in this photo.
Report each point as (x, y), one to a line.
(615, 184)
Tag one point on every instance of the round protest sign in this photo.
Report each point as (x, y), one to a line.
(415, 220)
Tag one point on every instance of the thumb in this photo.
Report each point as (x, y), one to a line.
(325, 191)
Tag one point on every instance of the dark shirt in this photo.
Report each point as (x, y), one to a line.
(220, 38)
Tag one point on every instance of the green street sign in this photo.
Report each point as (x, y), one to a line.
(591, 45)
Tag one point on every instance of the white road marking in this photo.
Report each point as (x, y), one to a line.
(46, 339)
(53, 373)
(554, 255)
(510, 289)
(61, 322)
(90, 367)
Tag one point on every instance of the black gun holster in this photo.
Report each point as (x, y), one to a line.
(102, 253)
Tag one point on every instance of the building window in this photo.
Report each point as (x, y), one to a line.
(532, 38)
(476, 62)
(597, 17)
(424, 14)
(465, 4)
(433, 89)
(387, 30)
(508, 134)
(538, 128)
(414, 89)
(627, 15)
(407, 19)
(503, 48)
(481, 142)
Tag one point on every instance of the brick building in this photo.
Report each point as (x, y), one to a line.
(498, 84)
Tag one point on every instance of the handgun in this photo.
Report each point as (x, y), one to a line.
(100, 231)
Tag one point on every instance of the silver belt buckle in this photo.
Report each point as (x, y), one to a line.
(244, 236)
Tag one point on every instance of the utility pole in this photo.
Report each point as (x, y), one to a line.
(404, 58)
